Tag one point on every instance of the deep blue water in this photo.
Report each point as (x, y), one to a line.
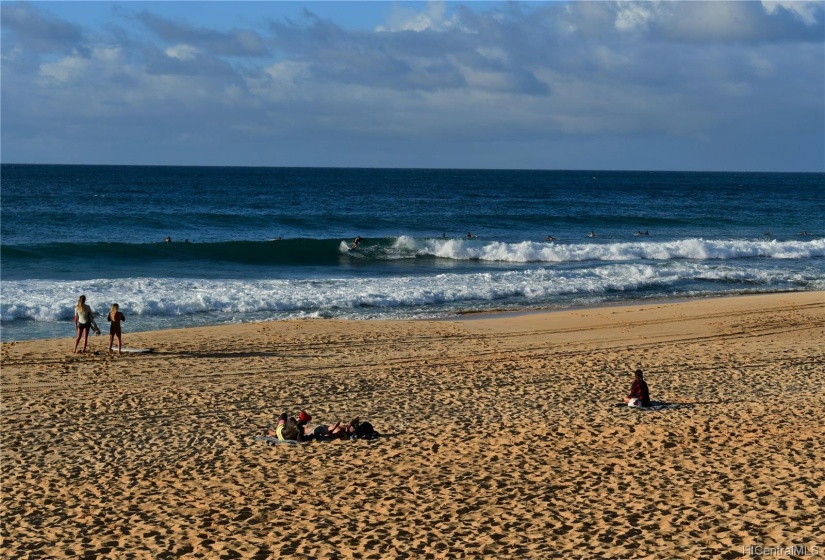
(271, 243)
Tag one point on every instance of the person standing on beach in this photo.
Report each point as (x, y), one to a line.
(84, 319)
(115, 317)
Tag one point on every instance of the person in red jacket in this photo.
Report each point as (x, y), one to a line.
(639, 393)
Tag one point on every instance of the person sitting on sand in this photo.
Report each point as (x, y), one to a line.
(273, 432)
(639, 393)
(288, 428)
(296, 429)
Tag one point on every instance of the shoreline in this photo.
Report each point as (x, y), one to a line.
(501, 436)
(471, 315)
(459, 316)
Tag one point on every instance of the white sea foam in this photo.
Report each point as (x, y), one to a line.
(47, 300)
(560, 252)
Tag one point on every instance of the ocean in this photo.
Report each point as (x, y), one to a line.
(264, 244)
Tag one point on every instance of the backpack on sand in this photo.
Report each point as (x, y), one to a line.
(365, 431)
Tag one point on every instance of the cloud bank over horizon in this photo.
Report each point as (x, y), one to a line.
(559, 85)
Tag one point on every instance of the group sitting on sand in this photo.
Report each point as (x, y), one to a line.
(290, 429)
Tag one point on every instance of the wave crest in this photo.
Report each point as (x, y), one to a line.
(537, 252)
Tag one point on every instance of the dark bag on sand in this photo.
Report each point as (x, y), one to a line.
(365, 431)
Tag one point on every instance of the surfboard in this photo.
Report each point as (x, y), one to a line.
(136, 350)
(344, 246)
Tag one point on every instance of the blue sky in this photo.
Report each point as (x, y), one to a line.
(658, 85)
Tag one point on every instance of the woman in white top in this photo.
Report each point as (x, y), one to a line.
(84, 320)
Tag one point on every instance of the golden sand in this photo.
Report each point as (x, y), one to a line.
(501, 438)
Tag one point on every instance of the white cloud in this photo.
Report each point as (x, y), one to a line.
(283, 81)
(805, 11)
(524, 74)
(633, 15)
(109, 55)
(182, 52)
(69, 68)
(404, 19)
(487, 80)
(289, 72)
(710, 21)
(12, 54)
(493, 53)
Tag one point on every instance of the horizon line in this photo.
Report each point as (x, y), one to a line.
(389, 168)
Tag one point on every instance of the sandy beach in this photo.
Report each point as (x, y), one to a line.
(501, 437)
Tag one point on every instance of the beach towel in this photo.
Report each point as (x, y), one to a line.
(273, 440)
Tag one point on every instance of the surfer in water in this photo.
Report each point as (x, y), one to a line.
(355, 243)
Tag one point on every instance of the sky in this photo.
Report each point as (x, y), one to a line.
(601, 85)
